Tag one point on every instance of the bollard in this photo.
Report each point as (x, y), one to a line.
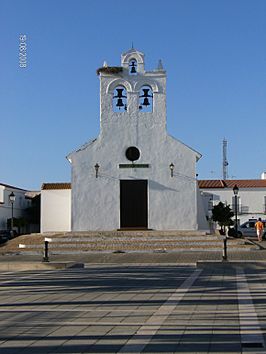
(46, 253)
(46, 249)
(225, 250)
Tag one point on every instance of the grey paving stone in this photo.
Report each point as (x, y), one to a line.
(206, 318)
(224, 347)
(97, 330)
(124, 331)
(192, 348)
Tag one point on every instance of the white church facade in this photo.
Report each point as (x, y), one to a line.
(134, 175)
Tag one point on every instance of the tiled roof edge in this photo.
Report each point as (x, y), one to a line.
(49, 186)
(241, 183)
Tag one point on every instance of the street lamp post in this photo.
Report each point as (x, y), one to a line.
(12, 199)
(235, 190)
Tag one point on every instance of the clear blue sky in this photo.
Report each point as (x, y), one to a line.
(214, 52)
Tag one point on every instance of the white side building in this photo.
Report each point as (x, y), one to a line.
(20, 205)
(251, 199)
(55, 207)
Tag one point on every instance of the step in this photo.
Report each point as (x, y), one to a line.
(131, 233)
(179, 250)
(162, 246)
(53, 245)
(115, 241)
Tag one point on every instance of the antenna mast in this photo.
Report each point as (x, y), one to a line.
(225, 162)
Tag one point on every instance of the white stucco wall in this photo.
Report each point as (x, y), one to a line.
(55, 210)
(172, 201)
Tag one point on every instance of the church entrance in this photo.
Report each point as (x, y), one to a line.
(134, 204)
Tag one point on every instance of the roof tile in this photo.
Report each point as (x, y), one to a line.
(46, 186)
(230, 183)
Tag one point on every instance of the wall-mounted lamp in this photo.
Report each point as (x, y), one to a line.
(172, 166)
(97, 166)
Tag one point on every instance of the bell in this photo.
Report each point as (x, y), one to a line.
(133, 68)
(119, 103)
(119, 93)
(146, 102)
(145, 93)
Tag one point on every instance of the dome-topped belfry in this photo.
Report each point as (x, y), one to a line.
(134, 175)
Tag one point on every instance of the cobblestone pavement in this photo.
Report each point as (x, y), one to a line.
(131, 308)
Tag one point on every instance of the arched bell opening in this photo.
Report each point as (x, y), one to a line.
(120, 99)
(133, 67)
(145, 99)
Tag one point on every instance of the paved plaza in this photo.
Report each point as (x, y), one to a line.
(146, 308)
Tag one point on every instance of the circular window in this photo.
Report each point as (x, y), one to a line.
(132, 153)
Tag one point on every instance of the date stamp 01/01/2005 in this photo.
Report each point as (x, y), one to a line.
(23, 51)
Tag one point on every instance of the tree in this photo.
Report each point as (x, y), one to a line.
(222, 214)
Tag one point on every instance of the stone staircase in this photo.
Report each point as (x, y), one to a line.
(123, 242)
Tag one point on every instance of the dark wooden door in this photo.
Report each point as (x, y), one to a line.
(133, 204)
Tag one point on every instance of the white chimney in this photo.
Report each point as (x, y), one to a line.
(263, 175)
